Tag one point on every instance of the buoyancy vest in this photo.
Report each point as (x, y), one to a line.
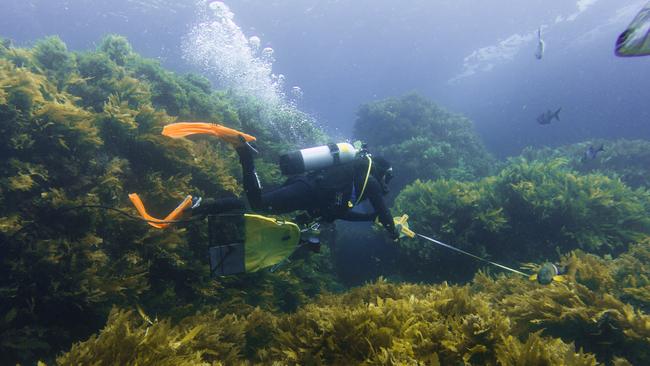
(335, 187)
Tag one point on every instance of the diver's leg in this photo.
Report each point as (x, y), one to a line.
(218, 206)
(252, 185)
(297, 194)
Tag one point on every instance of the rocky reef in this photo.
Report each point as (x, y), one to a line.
(628, 160)
(424, 140)
(84, 128)
(502, 320)
(530, 211)
(81, 285)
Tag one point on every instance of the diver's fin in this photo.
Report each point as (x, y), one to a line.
(557, 113)
(533, 277)
(559, 278)
(158, 223)
(182, 129)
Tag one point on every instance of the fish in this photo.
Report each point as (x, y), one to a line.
(144, 315)
(592, 152)
(546, 117)
(635, 40)
(539, 53)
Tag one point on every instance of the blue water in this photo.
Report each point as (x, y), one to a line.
(346, 53)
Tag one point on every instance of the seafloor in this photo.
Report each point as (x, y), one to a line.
(83, 285)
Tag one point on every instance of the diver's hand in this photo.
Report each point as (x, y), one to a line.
(398, 230)
(394, 234)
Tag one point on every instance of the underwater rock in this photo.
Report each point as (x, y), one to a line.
(507, 320)
(84, 129)
(422, 140)
(628, 160)
(527, 212)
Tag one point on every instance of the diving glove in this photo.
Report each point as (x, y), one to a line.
(394, 234)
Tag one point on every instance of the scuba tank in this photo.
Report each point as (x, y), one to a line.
(315, 158)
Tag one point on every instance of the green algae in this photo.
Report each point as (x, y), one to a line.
(528, 212)
(84, 129)
(422, 140)
(625, 159)
(504, 320)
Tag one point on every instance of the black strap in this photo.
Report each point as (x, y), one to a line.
(336, 154)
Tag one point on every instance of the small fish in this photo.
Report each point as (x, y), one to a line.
(635, 40)
(592, 152)
(143, 315)
(539, 53)
(546, 117)
(548, 273)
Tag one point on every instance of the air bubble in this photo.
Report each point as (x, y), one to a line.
(254, 43)
(217, 45)
(267, 54)
(296, 92)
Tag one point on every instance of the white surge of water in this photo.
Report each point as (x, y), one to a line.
(218, 46)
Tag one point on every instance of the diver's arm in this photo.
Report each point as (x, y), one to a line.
(374, 192)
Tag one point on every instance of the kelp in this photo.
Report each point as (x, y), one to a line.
(117, 48)
(589, 309)
(632, 272)
(128, 339)
(81, 129)
(423, 140)
(379, 323)
(84, 129)
(626, 159)
(492, 320)
(526, 213)
(537, 350)
(52, 55)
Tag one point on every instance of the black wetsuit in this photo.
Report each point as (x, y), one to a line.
(325, 194)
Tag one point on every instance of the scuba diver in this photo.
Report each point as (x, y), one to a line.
(326, 181)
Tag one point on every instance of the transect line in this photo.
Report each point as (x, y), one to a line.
(471, 255)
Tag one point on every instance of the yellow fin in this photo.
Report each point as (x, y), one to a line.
(533, 277)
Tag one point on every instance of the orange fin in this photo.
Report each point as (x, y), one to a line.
(182, 129)
(158, 223)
